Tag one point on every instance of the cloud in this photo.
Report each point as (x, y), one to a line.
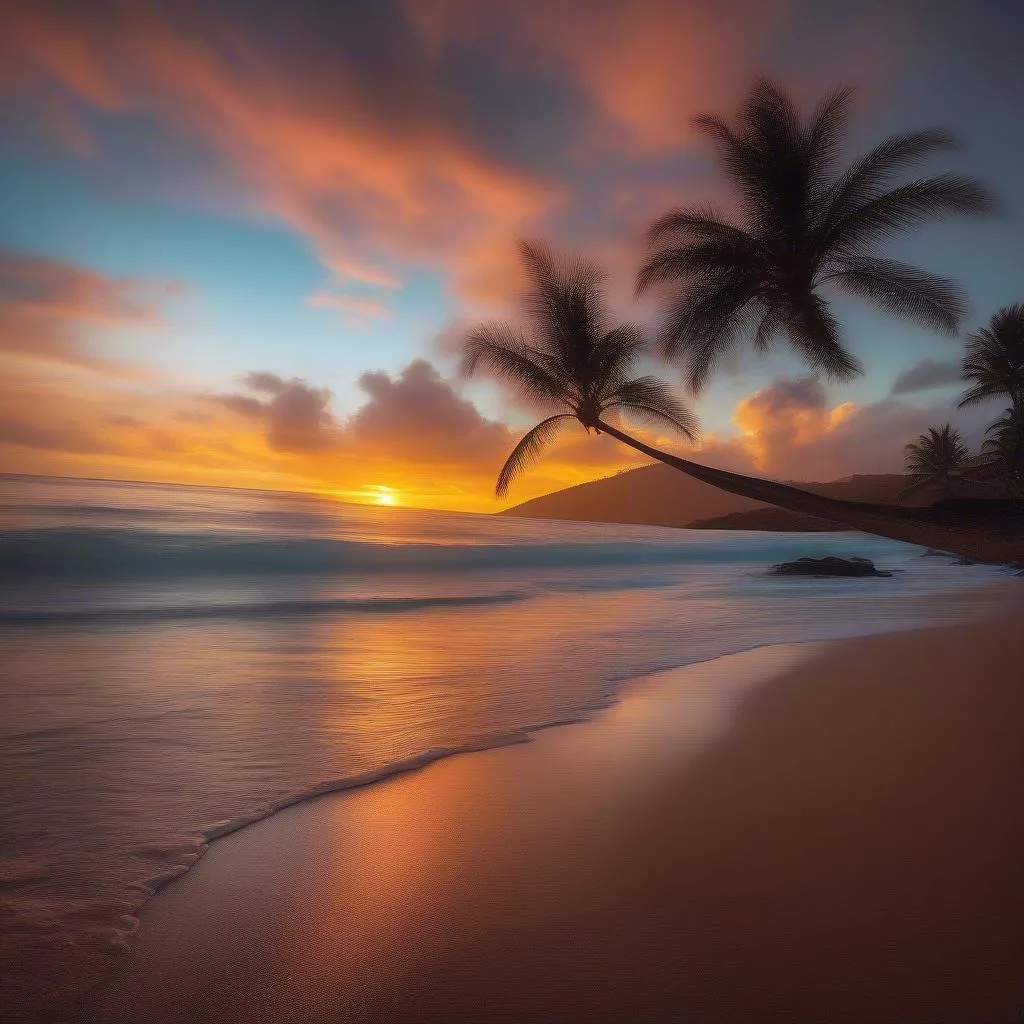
(418, 415)
(390, 132)
(787, 414)
(50, 309)
(355, 308)
(926, 375)
(789, 430)
(71, 437)
(295, 416)
(414, 433)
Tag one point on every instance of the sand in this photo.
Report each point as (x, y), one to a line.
(829, 832)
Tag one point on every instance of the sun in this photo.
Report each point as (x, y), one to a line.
(383, 495)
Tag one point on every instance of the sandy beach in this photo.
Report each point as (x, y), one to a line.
(823, 832)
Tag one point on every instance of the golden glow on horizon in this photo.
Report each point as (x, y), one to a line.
(384, 495)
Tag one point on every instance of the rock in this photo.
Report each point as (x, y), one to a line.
(931, 551)
(831, 565)
(964, 561)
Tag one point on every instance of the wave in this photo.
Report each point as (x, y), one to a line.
(248, 610)
(93, 553)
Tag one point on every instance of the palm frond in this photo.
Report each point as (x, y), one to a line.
(815, 333)
(700, 221)
(904, 292)
(870, 174)
(651, 397)
(615, 356)
(503, 350)
(825, 136)
(696, 259)
(527, 451)
(773, 323)
(702, 324)
(906, 207)
(566, 310)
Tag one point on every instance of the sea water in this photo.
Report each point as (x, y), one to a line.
(177, 661)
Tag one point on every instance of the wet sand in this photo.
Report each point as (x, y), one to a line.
(830, 832)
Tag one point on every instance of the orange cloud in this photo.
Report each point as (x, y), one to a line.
(789, 430)
(47, 308)
(414, 435)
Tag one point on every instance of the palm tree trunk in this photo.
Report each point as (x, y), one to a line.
(983, 537)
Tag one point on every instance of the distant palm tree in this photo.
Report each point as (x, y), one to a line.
(995, 360)
(572, 358)
(1005, 448)
(803, 225)
(569, 357)
(935, 457)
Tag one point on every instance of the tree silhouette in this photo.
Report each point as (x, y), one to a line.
(805, 226)
(568, 356)
(994, 364)
(935, 457)
(1004, 447)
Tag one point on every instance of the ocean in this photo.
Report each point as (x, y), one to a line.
(178, 661)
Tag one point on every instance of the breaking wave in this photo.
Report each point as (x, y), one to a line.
(71, 553)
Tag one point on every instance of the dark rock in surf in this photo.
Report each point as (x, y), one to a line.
(829, 566)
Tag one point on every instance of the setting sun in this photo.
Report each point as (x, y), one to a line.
(384, 495)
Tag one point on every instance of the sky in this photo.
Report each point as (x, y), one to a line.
(240, 241)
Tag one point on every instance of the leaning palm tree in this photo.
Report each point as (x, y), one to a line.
(994, 364)
(935, 458)
(569, 357)
(804, 227)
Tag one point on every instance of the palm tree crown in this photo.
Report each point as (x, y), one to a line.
(935, 456)
(994, 363)
(569, 355)
(804, 222)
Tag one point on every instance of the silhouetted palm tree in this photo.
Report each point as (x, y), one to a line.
(1005, 448)
(804, 225)
(569, 356)
(936, 457)
(994, 363)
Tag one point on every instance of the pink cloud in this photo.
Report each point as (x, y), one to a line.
(385, 158)
(354, 308)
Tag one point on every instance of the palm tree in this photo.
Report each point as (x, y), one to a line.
(1005, 449)
(573, 358)
(994, 363)
(934, 458)
(805, 226)
(569, 357)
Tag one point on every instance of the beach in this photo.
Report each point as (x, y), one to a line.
(806, 832)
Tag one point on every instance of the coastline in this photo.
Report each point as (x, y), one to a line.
(503, 860)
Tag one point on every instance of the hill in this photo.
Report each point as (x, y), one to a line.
(658, 495)
(775, 520)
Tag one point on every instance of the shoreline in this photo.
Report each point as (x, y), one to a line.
(313, 807)
(617, 692)
(69, 981)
